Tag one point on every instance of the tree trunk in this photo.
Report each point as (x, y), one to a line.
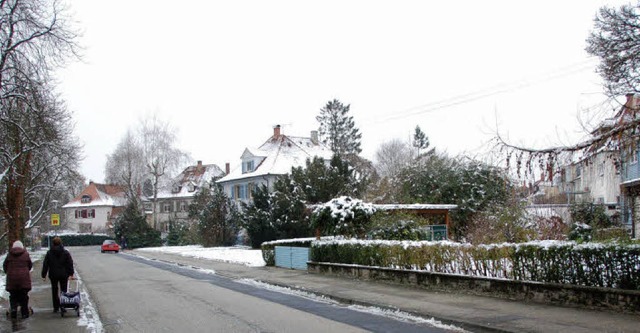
(15, 200)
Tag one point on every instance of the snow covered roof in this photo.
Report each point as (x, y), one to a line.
(278, 155)
(414, 207)
(193, 177)
(99, 195)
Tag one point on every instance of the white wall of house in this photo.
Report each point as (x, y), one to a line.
(596, 180)
(98, 223)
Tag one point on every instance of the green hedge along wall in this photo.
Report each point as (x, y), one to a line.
(593, 265)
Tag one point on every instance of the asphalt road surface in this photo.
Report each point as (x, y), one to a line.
(137, 295)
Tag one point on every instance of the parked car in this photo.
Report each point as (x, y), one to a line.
(110, 245)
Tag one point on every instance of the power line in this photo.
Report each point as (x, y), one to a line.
(487, 92)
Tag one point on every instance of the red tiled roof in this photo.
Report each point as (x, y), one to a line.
(92, 191)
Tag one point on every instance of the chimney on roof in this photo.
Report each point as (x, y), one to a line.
(227, 168)
(314, 137)
(276, 131)
(199, 166)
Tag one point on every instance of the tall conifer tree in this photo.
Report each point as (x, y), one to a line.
(338, 130)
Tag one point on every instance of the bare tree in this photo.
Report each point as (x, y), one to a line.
(39, 153)
(392, 156)
(125, 166)
(146, 156)
(37, 149)
(161, 156)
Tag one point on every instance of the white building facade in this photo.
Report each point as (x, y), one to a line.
(95, 209)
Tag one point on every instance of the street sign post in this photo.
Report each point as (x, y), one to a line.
(55, 219)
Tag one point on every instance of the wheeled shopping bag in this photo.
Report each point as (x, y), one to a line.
(70, 299)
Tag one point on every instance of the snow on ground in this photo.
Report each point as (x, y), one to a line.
(238, 255)
(389, 313)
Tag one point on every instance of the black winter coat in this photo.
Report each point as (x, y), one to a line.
(17, 265)
(58, 263)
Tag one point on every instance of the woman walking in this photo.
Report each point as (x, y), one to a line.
(17, 266)
(59, 264)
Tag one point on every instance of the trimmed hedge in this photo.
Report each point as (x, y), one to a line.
(593, 265)
(76, 239)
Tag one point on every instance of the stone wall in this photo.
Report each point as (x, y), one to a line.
(627, 301)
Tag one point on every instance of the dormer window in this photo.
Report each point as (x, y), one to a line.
(247, 166)
(192, 187)
(176, 188)
(85, 199)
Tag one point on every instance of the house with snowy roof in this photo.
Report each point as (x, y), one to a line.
(173, 202)
(94, 209)
(274, 158)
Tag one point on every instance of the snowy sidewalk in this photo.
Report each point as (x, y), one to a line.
(43, 318)
(474, 313)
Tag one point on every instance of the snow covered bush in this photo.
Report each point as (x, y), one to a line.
(398, 226)
(343, 216)
(580, 232)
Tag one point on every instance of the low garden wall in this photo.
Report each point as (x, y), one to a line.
(618, 300)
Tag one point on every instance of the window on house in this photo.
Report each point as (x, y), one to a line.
(240, 192)
(578, 171)
(633, 159)
(83, 213)
(183, 206)
(192, 188)
(166, 207)
(247, 166)
(601, 169)
(91, 213)
(85, 199)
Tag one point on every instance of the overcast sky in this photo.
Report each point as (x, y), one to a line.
(224, 73)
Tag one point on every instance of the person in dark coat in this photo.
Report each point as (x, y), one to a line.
(59, 264)
(17, 266)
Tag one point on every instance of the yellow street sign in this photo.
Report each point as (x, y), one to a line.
(55, 219)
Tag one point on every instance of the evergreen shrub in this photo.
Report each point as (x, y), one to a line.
(593, 265)
(77, 239)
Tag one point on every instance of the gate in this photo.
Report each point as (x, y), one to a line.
(292, 257)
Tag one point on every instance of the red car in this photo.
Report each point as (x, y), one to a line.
(110, 245)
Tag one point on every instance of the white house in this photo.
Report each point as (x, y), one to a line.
(95, 208)
(595, 180)
(173, 202)
(274, 158)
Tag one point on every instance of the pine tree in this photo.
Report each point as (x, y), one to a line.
(338, 130)
(218, 219)
(421, 141)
